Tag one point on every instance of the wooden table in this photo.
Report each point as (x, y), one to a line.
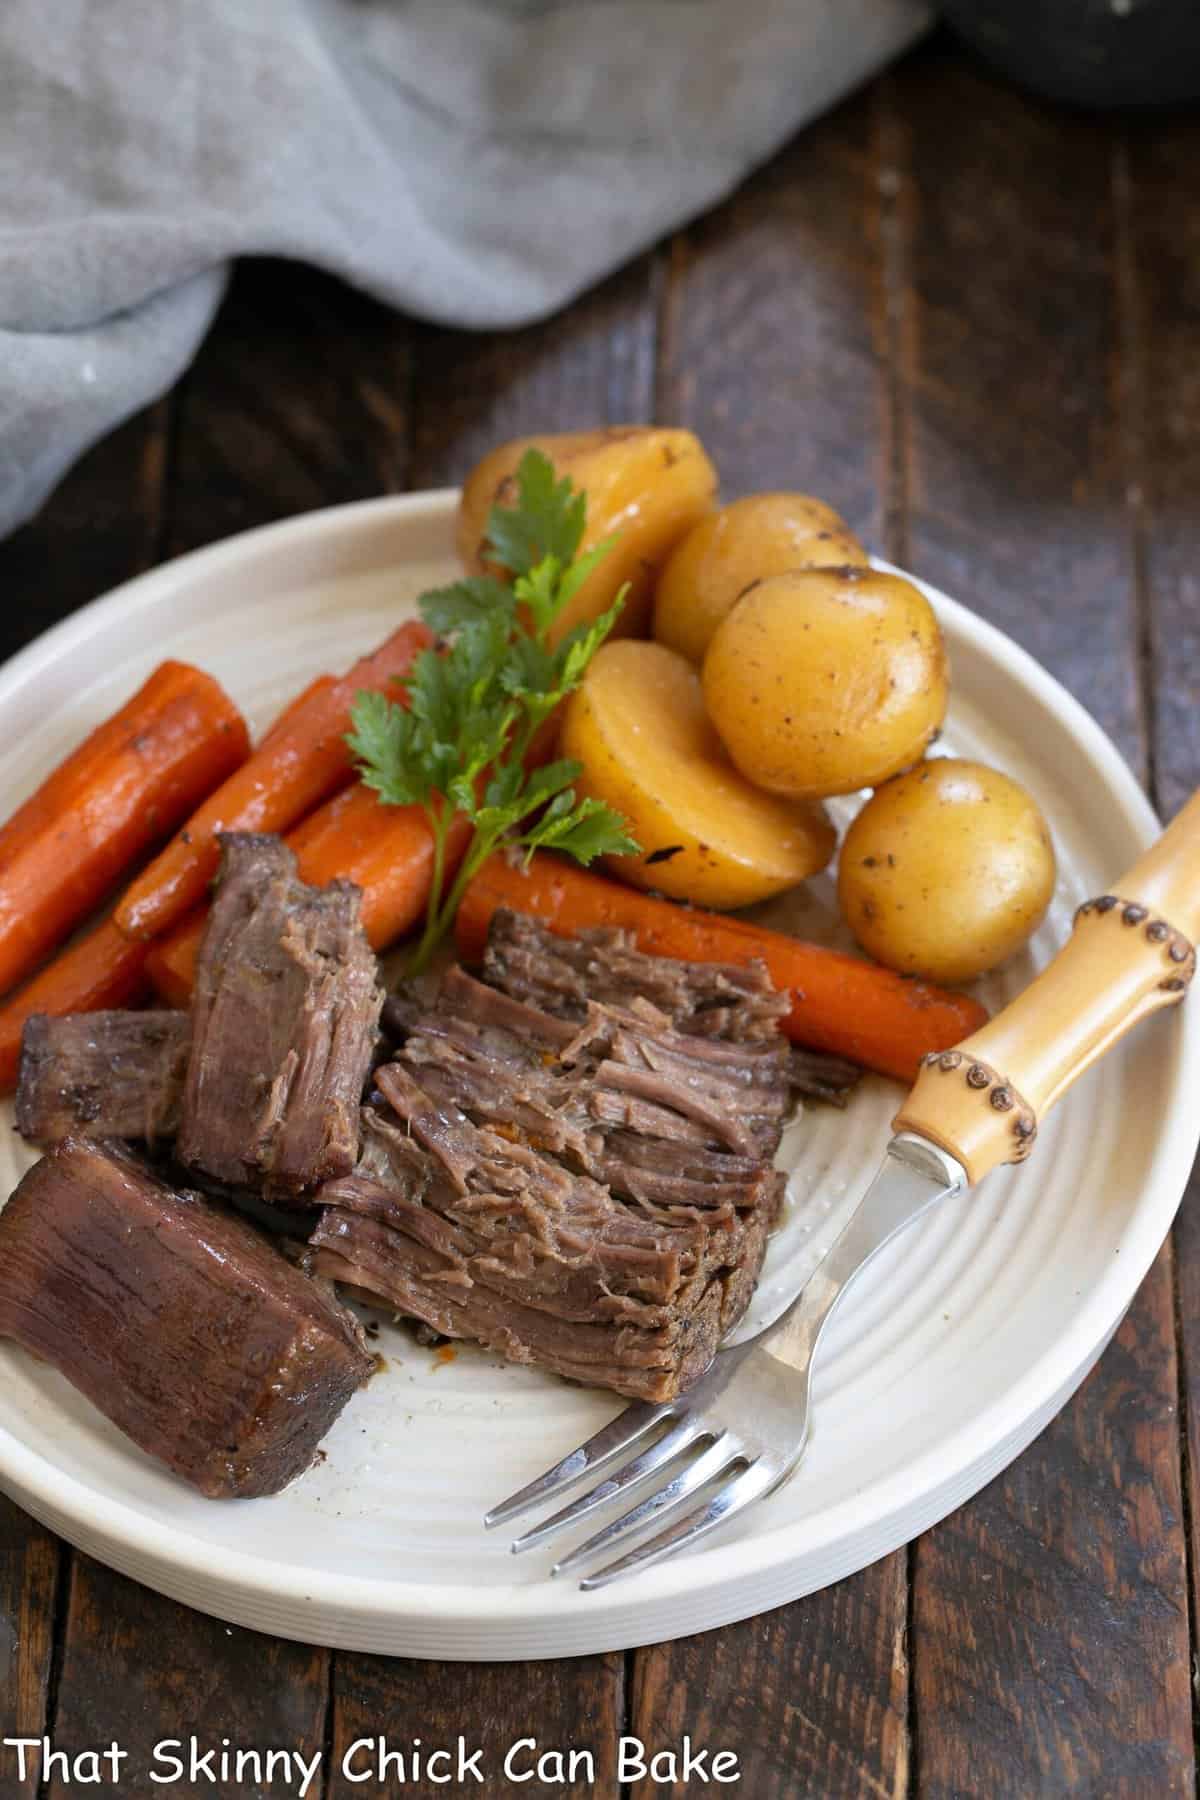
(971, 322)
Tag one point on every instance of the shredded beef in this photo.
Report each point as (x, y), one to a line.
(562, 975)
(563, 1164)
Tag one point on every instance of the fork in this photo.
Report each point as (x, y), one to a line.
(740, 1431)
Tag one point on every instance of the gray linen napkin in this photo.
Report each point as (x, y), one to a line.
(474, 161)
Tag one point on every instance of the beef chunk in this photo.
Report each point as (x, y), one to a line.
(110, 1074)
(179, 1322)
(284, 1022)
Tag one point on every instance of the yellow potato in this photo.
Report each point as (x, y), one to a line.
(637, 724)
(946, 871)
(764, 534)
(823, 681)
(645, 486)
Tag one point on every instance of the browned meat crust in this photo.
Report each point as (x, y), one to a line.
(178, 1321)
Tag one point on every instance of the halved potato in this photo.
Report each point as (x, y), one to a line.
(645, 486)
(760, 535)
(638, 726)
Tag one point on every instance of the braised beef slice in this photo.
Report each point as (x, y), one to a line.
(569, 1089)
(561, 975)
(558, 1241)
(284, 1021)
(735, 1003)
(413, 1278)
(179, 1322)
(110, 1074)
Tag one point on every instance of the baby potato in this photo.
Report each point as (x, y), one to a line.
(764, 534)
(946, 871)
(823, 681)
(638, 725)
(645, 486)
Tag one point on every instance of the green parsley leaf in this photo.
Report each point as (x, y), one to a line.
(548, 519)
(585, 830)
(447, 610)
(460, 740)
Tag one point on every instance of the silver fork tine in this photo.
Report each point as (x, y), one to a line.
(747, 1487)
(626, 1429)
(672, 1444)
(715, 1460)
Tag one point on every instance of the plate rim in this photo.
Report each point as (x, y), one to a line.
(755, 1555)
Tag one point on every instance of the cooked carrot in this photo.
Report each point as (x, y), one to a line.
(171, 960)
(307, 697)
(839, 1003)
(302, 761)
(103, 968)
(387, 850)
(113, 799)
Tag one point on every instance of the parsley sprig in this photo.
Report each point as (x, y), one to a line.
(475, 704)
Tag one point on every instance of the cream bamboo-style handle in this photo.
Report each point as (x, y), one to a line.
(1131, 952)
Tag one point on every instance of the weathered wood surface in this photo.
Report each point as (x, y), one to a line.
(496, 1707)
(1157, 186)
(974, 325)
(139, 1670)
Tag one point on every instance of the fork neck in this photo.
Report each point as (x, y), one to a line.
(915, 1175)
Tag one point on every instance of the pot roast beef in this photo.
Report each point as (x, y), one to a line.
(731, 1001)
(178, 1321)
(571, 1161)
(285, 1014)
(109, 1074)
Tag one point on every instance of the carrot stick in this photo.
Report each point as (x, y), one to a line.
(303, 760)
(309, 696)
(103, 968)
(387, 850)
(171, 960)
(126, 786)
(839, 1003)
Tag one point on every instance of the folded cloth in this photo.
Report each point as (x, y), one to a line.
(474, 161)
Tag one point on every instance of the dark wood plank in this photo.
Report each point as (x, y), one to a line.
(572, 1704)
(780, 348)
(1158, 184)
(1018, 455)
(298, 399)
(1050, 1614)
(99, 527)
(812, 1698)
(29, 1572)
(1050, 1629)
(591, 365)
(775, 325)
(1159, 181)
(139, 1670)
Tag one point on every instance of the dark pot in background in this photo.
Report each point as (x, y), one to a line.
(1089, 52)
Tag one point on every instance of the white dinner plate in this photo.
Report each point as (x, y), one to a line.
(958, 1346)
